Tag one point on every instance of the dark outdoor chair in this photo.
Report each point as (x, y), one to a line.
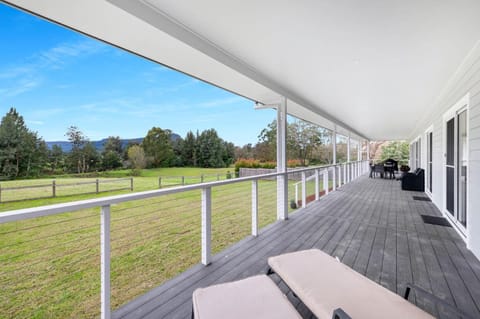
(414, 181)
(378, 169)
(391, 166)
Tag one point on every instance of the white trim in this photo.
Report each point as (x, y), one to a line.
(426, 133)
(457, 108)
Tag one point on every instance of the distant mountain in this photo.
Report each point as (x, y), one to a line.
(67, 146)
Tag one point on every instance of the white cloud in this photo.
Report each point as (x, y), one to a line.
(28, 74)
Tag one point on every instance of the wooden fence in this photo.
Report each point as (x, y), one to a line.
(58, 189)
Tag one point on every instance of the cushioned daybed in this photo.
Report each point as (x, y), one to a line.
(324, 284)
(254, 297)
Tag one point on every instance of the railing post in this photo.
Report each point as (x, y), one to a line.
(131, 183)
(201, 178)
(255, 207)
(218, 177)
(317, 185)
(334, 177)
(183, 180)
(54, 189)
(159, 182)
(344, 173)
(0, 193)
(206, 225)
(96, 185)
(296, 193)
(325, 181)
(105, 261)
(304, 190)
(339, 176)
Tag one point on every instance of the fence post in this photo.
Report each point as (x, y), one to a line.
(206, 225)
(96, 185)
(304, 190)
(159, 182)
(183, 180)
(201, 178)
(131, 183)
(0, 193)
(105, 261)
(317, 186)
(54, 189)
(255, 207)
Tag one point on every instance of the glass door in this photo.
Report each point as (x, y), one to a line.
(429, 161)
(456, 166)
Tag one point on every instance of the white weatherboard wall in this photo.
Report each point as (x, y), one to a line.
(465, 81)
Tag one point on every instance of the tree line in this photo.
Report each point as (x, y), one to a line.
(24, 154)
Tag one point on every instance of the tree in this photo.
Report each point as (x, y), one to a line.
(112, 153)
(189, 150)
(77, 159)
(302, 139)
(229, 153)
(136, 156)
(158, 147)
(211, 149)
(114, 144)
(266, 148)
(246, 151)
(22, 152)
(55, 158)
(397, 150)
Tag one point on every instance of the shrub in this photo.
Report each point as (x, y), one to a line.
(252, 163)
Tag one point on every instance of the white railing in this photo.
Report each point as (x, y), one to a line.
(355, 169)
(349, 171)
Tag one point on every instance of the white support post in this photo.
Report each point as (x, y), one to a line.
(105, 262)
(325, 181)
(282, 180)
(344, 173)
(206, 225)
(334, 145)
(317, 185)
(368, 151)
(304, 190)
(255, 207)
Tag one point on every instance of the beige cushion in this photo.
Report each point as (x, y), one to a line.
(253, 297)
(325, 284)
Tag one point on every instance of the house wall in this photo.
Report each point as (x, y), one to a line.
(465, 81)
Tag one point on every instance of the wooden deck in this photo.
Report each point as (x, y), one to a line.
(370, 224)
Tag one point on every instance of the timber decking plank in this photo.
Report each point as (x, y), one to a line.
(371, 225)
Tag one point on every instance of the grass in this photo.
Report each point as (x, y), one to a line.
(51, 265)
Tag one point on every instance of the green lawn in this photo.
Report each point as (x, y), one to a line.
(50, 266)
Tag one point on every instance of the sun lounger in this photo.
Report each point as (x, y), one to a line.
(324, 284)
(254, 297)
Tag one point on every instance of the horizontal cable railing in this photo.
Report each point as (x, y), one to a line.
(50, 255)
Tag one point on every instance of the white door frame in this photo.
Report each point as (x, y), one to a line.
(457, 108)
(427, 168)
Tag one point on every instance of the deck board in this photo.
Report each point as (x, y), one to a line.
(369, 224)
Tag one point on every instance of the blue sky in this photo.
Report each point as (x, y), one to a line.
(57, 78)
